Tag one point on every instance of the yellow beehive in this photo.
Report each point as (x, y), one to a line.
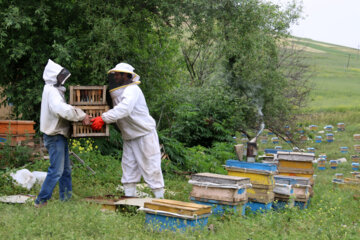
(355, 158)
(255, 178)
(261, 195)
(295, 162)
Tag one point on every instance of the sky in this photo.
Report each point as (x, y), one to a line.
(330, 21)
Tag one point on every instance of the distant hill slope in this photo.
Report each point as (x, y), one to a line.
(337, 75)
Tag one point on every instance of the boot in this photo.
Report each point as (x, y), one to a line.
(130, 189)
(159, 192)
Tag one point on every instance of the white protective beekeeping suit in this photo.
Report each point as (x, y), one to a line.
(55, 112)
(141, 150)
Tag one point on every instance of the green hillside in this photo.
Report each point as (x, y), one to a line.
(336, 80)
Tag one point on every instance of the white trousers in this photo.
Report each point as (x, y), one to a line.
(142, 157)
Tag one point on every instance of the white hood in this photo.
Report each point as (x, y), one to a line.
(51, 71)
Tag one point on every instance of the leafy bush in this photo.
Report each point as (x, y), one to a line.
(14, 156)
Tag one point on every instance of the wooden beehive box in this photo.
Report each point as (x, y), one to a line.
(260, 174)
(87, 95)
(80, 130)
(295, 162)
(219, 187)
(260, 195)
(356, 137)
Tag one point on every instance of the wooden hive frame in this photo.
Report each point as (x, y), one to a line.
(80, 130)
(87, 95)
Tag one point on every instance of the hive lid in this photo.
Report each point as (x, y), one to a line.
(220, 179)
(266, 167)
(296, 156)
(178, 207)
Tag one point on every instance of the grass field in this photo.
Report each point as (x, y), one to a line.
(333, 212)
(336, 82)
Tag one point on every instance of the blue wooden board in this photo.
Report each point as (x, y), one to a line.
(161, 222)
(248, 165)
(256, 207)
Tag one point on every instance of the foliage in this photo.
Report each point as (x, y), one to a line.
(87, 37)
(202, 115)
(14, 156)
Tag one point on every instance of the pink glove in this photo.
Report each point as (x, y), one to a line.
(97, 123)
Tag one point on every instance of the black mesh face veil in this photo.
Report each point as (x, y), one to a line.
(62, 77)
(116, 80)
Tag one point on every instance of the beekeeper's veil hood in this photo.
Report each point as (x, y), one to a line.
(55, 74)
(121, 68)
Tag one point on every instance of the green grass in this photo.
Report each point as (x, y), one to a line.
(336, 83)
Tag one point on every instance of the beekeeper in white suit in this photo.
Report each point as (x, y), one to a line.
(54, 124)
(141, 149)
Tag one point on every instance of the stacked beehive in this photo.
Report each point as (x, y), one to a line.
(92, 100)
(260, 195)
(297, 164)
(164, 214)
(16, 131)
(222, 192)
(292, 191)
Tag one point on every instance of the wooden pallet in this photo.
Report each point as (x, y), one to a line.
(87, 95)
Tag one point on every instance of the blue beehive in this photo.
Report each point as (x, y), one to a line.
(263, 139)
(333, 164)
(160, 222)
(344, 149)
(341, 126)
(275, 140)
(311, 150)
(318, 139)
(328, 128)
(355, 166)
(321, 164)
(329, 137)
(278, 147)
(164, 214)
